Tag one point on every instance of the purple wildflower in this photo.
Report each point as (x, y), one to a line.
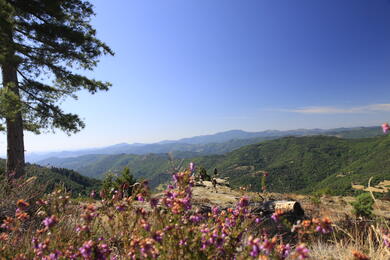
(104, 249)
(86, 249)
(385, 128)
(55, 255)
(302, 251)
(50, 221)
(140, 197)
(254, 246)
(154, 202)
(192, 167)
(216, 210)
(35, 242)
(195, 218)
(158, 236)
(121, 207)
(244, 202)
(386, 240)
(284, 250)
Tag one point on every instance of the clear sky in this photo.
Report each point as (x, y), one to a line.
(192, 67)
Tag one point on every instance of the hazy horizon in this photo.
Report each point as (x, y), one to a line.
(178, 138)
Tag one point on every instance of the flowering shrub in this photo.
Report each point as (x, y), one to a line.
(141, 226)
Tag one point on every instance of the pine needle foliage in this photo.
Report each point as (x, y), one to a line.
(48, 42)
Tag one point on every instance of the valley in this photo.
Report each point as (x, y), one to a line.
(295, 164)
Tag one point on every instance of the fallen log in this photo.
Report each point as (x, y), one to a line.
(288, 207)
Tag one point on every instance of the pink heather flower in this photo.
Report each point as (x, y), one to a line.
(275, 217)
(385, 127)
(104, 250)
(254, 245)
(50, 221)
(42, 246)
(386, 240)
(302, 251)
(83, 228)
(169, 195)
(55, 255)
(192, 166)
(35, 243)
(145, 225)
(153, 202)
(168, 228)
(186, 203)
(267, 246)
(121, 207)
(216, 210)
(323, 230)
(284, 250)
(86, 249)
(244, 202)
(175, 177)
(7, 223)
(140, 197)
(324, 225)
(42, 202)
(195, 218)
(158, 236)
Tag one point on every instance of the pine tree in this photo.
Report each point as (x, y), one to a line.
(42, 45)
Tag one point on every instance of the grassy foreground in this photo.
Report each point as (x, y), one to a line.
(169, 226)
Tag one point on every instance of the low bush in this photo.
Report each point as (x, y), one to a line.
(363, 206)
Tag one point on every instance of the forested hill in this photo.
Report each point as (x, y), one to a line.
(219, 143)
(310, 163)
(294, 163)
(49, 178)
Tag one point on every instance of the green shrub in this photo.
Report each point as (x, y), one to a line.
(124, 183)
(362, 207)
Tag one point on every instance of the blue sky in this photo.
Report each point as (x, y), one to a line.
(185, 68)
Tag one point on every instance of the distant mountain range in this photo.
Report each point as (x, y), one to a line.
(218, 143)
(296, 164)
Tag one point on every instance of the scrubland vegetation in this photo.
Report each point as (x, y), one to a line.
(169, 226)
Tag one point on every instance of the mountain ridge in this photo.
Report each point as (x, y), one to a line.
(218, 143)
(296, 164)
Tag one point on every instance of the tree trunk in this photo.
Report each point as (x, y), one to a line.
(14, 122)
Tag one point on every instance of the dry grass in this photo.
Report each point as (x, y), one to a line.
(329, 251)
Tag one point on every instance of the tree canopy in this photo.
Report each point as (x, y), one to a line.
(47, 41)
(44, 44)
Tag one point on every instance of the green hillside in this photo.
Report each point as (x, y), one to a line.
(50, 177)
(295, 164)
(219, 143)
(307, 164)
